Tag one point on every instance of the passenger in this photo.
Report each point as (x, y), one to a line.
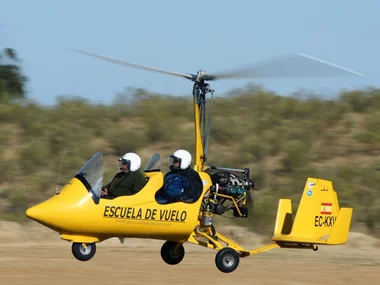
(127, 182)
(182, 183)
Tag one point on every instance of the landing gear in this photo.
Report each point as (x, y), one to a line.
(83, 251)
(172, 252)
(227, 260)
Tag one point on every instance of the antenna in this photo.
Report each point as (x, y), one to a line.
(60, 168)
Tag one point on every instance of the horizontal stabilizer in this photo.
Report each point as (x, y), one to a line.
(339, 232)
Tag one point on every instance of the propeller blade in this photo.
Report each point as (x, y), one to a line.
(296, 65)
(130, 64)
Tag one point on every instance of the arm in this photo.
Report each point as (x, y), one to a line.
(138, 182)
(195, 186)
(115, 187)
(105, 189)
(129, 184)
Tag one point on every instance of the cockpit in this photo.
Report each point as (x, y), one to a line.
(91, 174)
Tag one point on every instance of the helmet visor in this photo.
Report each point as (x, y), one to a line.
(172, 160)
(124, 162)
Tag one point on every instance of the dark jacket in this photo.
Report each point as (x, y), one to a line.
(125, 184)
(195, 184)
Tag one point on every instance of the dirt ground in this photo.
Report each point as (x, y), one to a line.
(33, 255)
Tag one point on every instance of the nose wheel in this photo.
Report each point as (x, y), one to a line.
(83, 251)
(172, 252)
(227, 260)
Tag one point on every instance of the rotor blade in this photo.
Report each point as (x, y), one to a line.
(296, 65)
(130, 64)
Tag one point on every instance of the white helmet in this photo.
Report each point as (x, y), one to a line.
(133, 161)
(181, 155)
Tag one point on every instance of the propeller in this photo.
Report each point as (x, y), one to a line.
(294, 65)
(139, 66)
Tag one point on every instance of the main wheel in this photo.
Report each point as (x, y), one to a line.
(83, 251)
(227, 260)
(170, 254)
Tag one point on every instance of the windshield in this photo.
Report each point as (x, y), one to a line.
(154, 163)
(91, 175)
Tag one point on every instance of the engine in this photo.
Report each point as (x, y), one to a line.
(228, 183)
(228, 192)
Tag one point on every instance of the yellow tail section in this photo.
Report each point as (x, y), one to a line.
(318, 220)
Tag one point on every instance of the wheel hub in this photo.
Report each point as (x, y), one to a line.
(85, 249)
(228, 260)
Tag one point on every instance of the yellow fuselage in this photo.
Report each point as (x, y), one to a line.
(74, 214)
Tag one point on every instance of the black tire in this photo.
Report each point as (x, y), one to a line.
(83, 251)
(170, 255)
(227, 260)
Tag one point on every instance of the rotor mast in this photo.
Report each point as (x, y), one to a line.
(200, 89)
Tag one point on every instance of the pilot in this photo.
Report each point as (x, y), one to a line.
(127, 182)
(182, 183)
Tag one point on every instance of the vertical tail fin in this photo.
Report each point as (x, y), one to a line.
(318, 220)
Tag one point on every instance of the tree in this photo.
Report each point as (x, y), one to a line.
(12, 80)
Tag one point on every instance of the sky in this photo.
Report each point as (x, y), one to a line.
(185, 36)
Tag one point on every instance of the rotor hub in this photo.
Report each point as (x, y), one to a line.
(199, 78)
